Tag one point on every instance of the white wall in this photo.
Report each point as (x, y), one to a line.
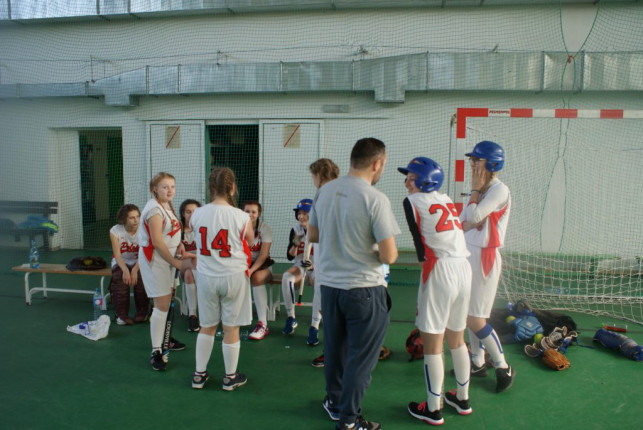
(419, 126)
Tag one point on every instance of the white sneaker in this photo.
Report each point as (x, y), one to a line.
(119, 321)
(260, 331)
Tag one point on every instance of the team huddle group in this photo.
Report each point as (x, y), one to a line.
(342, 242)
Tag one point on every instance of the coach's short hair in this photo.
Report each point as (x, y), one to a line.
(366, 151)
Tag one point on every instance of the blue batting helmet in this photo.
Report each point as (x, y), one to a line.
(490, 151)
(430, 174)
(303, 205)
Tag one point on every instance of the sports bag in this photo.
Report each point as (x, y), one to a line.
(86, 263)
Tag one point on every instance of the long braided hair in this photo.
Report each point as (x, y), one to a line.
(221, 184)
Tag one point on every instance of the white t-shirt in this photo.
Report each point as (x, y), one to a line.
(222, 228)
(127, 243)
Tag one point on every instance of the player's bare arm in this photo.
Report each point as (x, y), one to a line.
(313, 234)
(388, 250)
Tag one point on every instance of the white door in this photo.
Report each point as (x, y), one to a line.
(178, 148)
(287, 148)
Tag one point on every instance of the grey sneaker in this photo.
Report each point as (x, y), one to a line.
(360, 424)
(234, 381)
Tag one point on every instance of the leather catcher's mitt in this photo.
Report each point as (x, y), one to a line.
(384, 353)
(555, 359)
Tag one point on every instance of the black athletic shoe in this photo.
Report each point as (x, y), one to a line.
(333, 413)
(318, 362)
(504, 379)
(175, 345)
(421, 412)
(193, 323)
(232, 382)
(478, 372)
(360, 424)
(462, 406)
(157, 360)
(199, 379)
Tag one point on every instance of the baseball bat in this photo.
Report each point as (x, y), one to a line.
(169, 322)
(306, 256)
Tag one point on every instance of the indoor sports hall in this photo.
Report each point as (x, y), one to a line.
(98, 96)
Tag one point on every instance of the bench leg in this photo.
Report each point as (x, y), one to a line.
(273, 305)
(27, 289)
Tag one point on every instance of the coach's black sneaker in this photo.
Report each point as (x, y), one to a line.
(333, 413)
(462, 406)
(157, 360)
(193, 323)
(504, 379)
(318, 362)
(360, 424)
(175, 345)
(421, 412)
(230, 382)
(199, 379)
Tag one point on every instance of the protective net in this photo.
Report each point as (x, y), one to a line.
(571, 243)
(92, 108)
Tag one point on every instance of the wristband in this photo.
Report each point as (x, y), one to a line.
(475, 191)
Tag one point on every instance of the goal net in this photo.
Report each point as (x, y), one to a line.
(574, 237)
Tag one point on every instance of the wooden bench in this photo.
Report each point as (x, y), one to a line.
(60, 269)
(32, 208)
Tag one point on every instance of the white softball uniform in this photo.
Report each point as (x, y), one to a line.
(158, 274)
(188, 241)
(445, 284)
(127, 243)
(484, 243)
(264, 235)
(223, 259)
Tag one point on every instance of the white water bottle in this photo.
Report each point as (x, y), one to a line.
(98, 304)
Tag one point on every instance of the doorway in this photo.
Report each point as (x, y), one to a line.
(101, 184)
(236, 147)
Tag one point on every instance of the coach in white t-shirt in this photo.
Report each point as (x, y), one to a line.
(351, 220)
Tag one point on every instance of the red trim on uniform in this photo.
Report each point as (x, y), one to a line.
(612, 113)
(488, 255)
(566, 113)
(176, 226)
(458, 207)
(429, 256)
(148, 250)
(459, 170)
(522, 113)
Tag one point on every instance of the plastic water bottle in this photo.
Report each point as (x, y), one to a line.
(98, 304)
(34, 255)
(386, 270)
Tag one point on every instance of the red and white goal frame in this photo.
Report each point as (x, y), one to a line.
(464, 113)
